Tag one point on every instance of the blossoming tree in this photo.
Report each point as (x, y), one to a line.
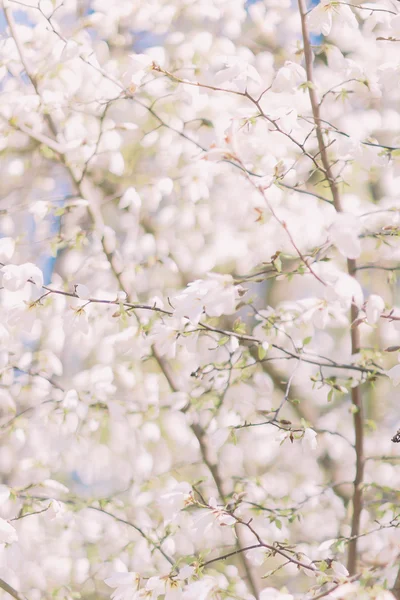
(199, 333)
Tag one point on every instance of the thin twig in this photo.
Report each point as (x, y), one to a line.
(10, 590)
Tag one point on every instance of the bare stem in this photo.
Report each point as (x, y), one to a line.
(356, 399)
(396, 586)
(10, 590)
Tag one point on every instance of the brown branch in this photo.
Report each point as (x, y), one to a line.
(358, 419)
(351, 268)
(276, 549)
(396, 586)
(229, 554)
(10, 590)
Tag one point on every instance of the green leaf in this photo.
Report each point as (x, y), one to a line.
(339, 546)
(330, 395)
(47, 152)
(370, 424)
(277, 263)
(222, 341)
(323, 566)
(307, 340)
(261, 352)
(239, 326)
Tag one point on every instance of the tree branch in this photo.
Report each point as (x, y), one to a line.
(10, 590)
(356, 399)
(396, 586)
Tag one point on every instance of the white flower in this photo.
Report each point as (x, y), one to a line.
(56, 486)
(130, 199)
(321, 317)
(55, 510)
(274, 594)
(289, 77)
(71, 400)
(256, 556)
(170, 587)
(326, 545)
(16, 276)
(339, 569)
(346, 290)
(76, 320)
(223, 517)
(199, 590)
(8, 535)
(216, 296)
(172, 502)
(320, 17)
(4, 494)
(190, 302)
(126, 585)
(165, 338)
(186, 572)
(394, 375)
(71, 50)
(374, 308)
(309, 439)
(82, 291)
(237, 71)
(344, 233)
(140, 66)
(336, 60)
(348, 591)
(215, 515)
(7, 247)
(39, 209)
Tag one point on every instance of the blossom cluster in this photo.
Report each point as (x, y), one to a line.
(199, 311)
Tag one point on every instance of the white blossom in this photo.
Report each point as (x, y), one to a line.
(238, 72)
(274, 594)
(8, 535)
(339, 569)
(374, 308)
(309, 439)
(344, 233)
(223, 182)
(82, 291)
(172, 502)
(7, 248)
(289, 77)
(14, 277)
(321, 17)
(125, 585)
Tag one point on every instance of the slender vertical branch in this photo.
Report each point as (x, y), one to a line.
(396, 586)
(308, 56)
(356, 399)
(358, 419)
